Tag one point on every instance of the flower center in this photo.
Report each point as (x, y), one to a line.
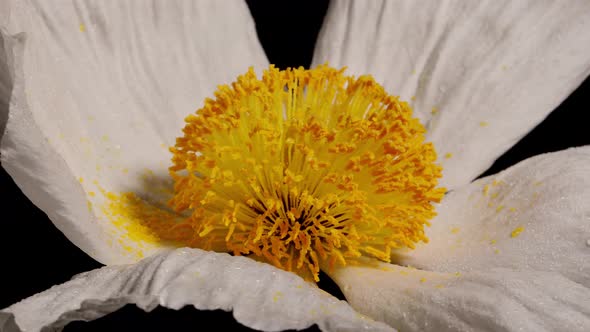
(303, 168)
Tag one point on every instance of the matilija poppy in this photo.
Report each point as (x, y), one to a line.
(97, 91)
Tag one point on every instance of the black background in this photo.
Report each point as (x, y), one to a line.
(35, 255)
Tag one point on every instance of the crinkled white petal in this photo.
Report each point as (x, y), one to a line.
(499, 299)
(99, 89)
(510, 253)
(260, 296)
(532, 216)
(479, 74)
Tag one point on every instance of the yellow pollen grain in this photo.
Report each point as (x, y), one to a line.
(422, 280)
(434, 110)
(125, 170)
(82, 27)
(538, 183)
(455, 230)
(457, 274)
(486, 189)
(497, 183)
(104, 138)
(91, 193)
(512, 209)
(500, 208)
(81, 179)
(277, 296)
(496, 251)
(299, 168)
(448, 155)
(439, 286)
(483, 124)
(494, 195)
(493, 242)
(516, 232)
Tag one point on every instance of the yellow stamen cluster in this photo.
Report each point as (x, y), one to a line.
(305, 168)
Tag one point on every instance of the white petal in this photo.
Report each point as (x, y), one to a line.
(491, 70)
(489, 275)
(546, 198)
(261, 296)
(100, 89)
(495, 300)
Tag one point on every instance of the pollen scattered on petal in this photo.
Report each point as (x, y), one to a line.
(483, 124)
(516, 232)
(455, 230)
(82, 27)
(448, 155)
(434, 110)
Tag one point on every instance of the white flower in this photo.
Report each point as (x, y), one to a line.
(94, 90)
